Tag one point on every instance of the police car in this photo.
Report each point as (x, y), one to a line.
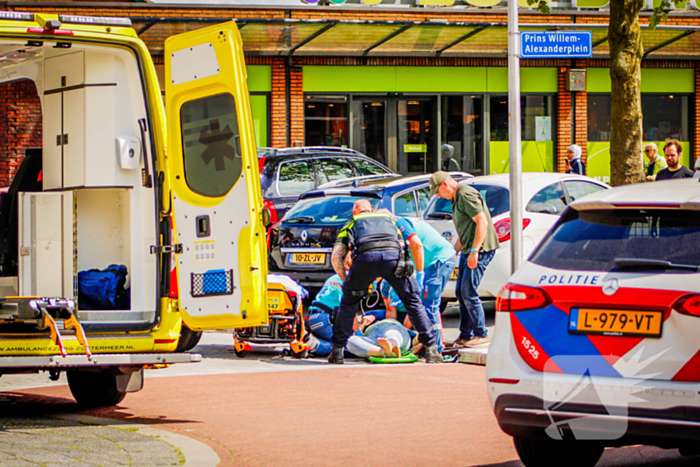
(597, 334)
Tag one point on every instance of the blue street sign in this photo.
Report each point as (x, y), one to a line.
(556, 44)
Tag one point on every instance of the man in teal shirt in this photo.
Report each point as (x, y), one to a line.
(435, 259)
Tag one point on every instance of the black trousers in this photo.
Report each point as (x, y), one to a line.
(366, 267)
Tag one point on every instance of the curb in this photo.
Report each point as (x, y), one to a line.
(196, 453)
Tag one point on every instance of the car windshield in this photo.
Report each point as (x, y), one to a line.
(325, 210)
(497, 199)
(622, 239)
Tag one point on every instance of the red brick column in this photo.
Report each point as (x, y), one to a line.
(278, 105)
(695, 148)
(581, 116)
(564, 122)
(20, 125)
(297, 105)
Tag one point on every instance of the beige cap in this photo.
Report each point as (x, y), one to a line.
(436, 180)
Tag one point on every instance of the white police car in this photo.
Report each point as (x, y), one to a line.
(597, 339)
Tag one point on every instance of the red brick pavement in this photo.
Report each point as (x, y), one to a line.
(414, 415)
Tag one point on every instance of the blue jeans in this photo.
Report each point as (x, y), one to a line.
(436, 277)
(365, 268)
(472, 322)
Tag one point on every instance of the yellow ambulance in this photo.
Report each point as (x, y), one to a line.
(173, 200)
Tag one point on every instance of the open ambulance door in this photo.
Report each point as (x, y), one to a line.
(212, 158)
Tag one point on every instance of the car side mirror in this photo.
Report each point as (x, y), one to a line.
(266, 216)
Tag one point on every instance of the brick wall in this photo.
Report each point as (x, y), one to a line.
(696, 128)
(564, 123)
(20, 125)
(278, 105)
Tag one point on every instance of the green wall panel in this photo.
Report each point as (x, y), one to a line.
(539, 79)
(437, 79)
(657, 80)
(259, 78)
(531, 79)
(497, 79)
(598, 163)
(538, 156)
(668, 80)
(423, 79)
(258, 105)
(349, 79)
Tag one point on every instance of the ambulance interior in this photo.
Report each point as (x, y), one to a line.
(79, 202)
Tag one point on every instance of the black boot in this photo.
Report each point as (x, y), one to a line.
(336, 355)
(432, 355)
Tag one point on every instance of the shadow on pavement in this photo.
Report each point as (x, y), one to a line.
(26, 406)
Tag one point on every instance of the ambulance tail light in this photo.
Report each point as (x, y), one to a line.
(514, 297)
(688, 305)
(261, 163)
(503, 228)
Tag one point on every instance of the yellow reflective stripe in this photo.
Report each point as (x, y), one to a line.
(344, 231)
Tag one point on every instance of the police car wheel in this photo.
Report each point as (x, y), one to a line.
(94, 389)
(689, 451)
(552, 453)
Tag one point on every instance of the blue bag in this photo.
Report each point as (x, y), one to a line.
(103, 289)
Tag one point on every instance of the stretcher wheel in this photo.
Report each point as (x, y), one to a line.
(303, 354)
(241, 353)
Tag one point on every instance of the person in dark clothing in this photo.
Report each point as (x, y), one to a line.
(377, 246)
(675, 169)
(576, 165)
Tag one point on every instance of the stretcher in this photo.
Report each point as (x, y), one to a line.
(285, 329)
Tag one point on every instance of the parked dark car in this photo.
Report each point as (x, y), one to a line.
(287, 173)
(301, 243)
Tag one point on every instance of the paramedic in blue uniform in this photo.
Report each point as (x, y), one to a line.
(435, 259)
(376, 244)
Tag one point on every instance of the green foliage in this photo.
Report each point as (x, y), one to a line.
(541, 6)
(661, 11)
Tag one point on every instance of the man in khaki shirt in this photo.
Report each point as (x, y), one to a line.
(478, 239)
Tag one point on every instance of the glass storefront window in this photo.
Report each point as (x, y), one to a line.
(462, 127)
(536, 113)
(599, 117)
(369, 126)
(665, 116)
(326, 121)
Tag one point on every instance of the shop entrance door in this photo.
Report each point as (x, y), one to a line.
(416, 151)
(369, 128)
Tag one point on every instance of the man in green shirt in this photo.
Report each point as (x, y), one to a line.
(478, 243)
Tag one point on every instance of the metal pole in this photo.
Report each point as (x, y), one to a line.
(516, 208)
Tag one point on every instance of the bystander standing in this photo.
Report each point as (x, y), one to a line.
(654, 163)
(675, 169)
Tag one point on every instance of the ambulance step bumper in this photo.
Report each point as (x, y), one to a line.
(96, 360)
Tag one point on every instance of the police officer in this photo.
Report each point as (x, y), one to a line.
(377, 249)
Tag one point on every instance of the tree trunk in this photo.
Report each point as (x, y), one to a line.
(625, 38)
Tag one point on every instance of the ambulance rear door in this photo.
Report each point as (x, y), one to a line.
(222, 266)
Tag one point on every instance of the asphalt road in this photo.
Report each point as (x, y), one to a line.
(268, 410)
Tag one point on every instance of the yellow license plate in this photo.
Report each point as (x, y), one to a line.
(453, 277)
(616, 322)
(309, 258)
